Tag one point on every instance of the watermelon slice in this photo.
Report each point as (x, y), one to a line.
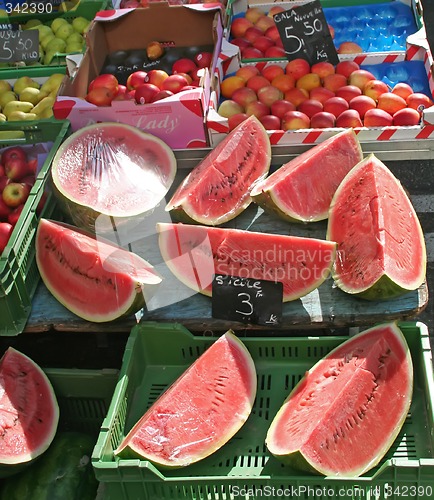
(381, 246)
(345, 413)
(29, 413)
(94, 279)
(218, 188)
(195, 254)
(302, 189)
(200, 411)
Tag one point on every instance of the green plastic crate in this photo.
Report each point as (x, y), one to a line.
(19, 275)
(156, 354)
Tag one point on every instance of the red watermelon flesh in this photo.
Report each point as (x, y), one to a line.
(302, 189)
(196, 253)
(218, 188)
(381, 246)
(200, 411)
(94, 279)
(29, 412)
(345, 413)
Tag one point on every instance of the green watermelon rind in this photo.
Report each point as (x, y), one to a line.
(184, 211)
(297, 460)
(137, 298)
(18, 463)
(128, 452)
(385, 288)
(84, 215)
(271, 203)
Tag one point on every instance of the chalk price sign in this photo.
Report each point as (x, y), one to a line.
(305, 33)
(247, 300)
(18, 45)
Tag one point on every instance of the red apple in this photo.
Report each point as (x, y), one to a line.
(105, 80)
(275, 52)
(229, 108)
(336, 105)
(271, 71)
(5, 234)
(246, 72)
(310, 107)
(203, 59)
(334, 82)
(16, 169)
(406, 117)
(239, 26)
(418, 101)
(15, 214)
(294, 120)
(123, 94)
(323, 69)
(251, 53)
(269, 94)
(244, 95)
(273, 33)
(4, 210)
(346, 67)
(270, 122)
(13, 152)
(391, 102)
(402, 89)
(4, 181)
(323, 119)
(349, 119)
(283, 82)
(252, 34)
(162, 95)
(15, 193)
(100, 96)
(145, 93)
(156, 77)
(321, 94)
(348, 92)
(241, 43)
(257, 108)
(374, 88)
(184, 65)
(279, 108)
(349, 48)
(308, 81)
(360, 78)
(253, 14)
(29, 179)
(362, 103)
(265, 22)
(135, 79)
(296, 96)
(297, 68)
(257, 82)
(32, 165)
(175, 83)
(377, 118)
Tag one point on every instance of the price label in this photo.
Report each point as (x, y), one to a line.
(17, 45)
(305, 33)
(247, 300)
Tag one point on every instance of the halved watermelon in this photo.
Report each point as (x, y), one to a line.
(345, 413)
(94, 279)
(196, 253)
(218, 188)
(200, 411)
(111, 171)
(302, 189)
(29, 413)
(381, 246)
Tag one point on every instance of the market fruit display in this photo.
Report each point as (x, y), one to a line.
(381, 250)
(200, 411)
(108, 173)
(63, 472)
(27, 99)
(342, 417)
(302, 189)
(29, 413)
(93, 278)
(218, 188)
(195, 253)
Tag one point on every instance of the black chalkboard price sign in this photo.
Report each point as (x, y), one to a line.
(305, 33)
(19, 45)
(258, 302)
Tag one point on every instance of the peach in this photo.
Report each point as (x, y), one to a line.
(391, 102)
(269, 94)
(362, 103)
(402, 89)
(280, 107)
(264, 22)
(323, 68)
(377, 118)
(257, 82)
(244, 96)
(360, 78)
(229, 108)
(336, 105)
(323, 119)
(283, 82)
(294, 120)
(348, 92)
(349, 48)
(297, 68)
(419, 101)
(296, 96)
(245, 72)
(263, 43)
(230, 84)
(257, 108)
(235, 120)
(334, 82)
(239, 26)
(251, 53)
(253, 14)
(310, 107)
(271, 71)
(252, 34)
(308, 81)
(321, 94)
(349, 119)
(374, 88)
(346, 67)
(406, 117)
(270, 122)
(275, 52)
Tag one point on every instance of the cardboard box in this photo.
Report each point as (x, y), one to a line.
(179, 120)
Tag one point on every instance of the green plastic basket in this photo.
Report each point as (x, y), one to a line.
(19, 275)
(156, 354)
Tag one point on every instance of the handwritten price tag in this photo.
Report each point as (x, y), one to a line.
(305, 33)
(17, 45)
(247, 300)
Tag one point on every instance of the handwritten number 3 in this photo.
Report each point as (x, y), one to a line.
(247, 302)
